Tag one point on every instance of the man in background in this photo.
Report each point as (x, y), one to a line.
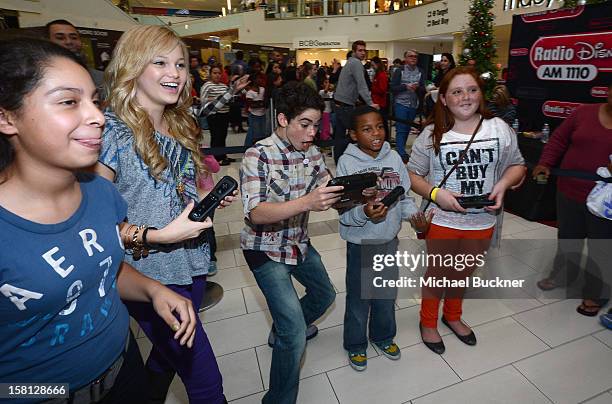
(65, 34)
(351, 85)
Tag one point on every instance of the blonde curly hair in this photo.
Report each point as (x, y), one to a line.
(135, 50)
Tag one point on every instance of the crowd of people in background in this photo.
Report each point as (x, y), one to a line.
(147, 151)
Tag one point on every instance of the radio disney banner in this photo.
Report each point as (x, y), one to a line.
(559, 60)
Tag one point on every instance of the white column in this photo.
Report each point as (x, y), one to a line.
(457, 45)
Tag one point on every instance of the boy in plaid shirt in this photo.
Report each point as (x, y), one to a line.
(282, 178)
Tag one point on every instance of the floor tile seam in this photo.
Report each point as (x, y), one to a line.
(263, 384)
(597, 332)
(558, 346)
(227, 318)
(592, 397)
(467, 379)
(579, 338)
(531, 332)
(332, 387)
(531, 382)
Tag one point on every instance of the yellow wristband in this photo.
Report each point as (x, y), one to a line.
(434, 193)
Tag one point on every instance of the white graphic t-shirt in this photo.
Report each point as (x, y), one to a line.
(475, 175)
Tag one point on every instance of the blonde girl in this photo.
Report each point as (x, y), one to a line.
(150, 150)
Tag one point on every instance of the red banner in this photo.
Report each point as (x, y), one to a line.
(599, 92)
(559, 109)
(553, 14)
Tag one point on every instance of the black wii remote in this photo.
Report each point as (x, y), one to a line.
(225, 187)
(393, 195)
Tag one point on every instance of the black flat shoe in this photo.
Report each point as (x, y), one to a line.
(469, 339)
(436, 347)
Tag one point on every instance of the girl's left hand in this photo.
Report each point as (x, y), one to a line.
(497, 194)
(177, 312)
(227, 201)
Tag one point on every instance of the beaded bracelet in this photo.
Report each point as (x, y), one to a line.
(125, 237)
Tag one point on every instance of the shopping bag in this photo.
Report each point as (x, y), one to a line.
(599, 201)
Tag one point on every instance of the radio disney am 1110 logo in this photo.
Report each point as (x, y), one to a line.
(576, 57)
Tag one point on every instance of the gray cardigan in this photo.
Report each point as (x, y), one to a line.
(422, 161)
(352, 84)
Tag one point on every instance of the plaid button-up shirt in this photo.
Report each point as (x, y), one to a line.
(273, 171)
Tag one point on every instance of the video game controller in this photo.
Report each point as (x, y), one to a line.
(353, 185)
(225, 187)
(393, 196)
(477, 201)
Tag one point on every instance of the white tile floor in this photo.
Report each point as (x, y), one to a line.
(530, 350)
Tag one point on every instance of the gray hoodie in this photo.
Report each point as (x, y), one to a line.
(355, 226)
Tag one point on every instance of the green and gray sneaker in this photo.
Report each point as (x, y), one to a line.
(358, 360)
(391, 350)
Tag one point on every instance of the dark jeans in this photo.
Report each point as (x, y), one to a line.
(343, 123)
(380, 312)
(402, 130)
(196, 366)
(131, 383)
(217, 123)
(291, 315)
(257, 129)
(385, 115)
(576, 223)
(235, 114)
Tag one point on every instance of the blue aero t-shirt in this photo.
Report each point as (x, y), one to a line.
(61, 319)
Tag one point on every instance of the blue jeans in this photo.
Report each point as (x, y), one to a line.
(290, 316)
(257, 129)
(381, 312)
(401, 129)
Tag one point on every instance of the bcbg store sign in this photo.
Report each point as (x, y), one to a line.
(320, 43)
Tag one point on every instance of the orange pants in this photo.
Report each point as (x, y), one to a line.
(444, 240)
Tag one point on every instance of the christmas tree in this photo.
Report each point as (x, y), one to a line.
(479, 49)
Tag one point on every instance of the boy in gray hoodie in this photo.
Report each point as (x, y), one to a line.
(372, 224)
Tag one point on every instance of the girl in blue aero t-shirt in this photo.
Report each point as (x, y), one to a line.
(61, 270)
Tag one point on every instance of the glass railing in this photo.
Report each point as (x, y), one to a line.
(283, 9)
(127, 7)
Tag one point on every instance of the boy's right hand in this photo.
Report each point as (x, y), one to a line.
(375, 211)
(421, 221)
(180, 229)
(323, 198)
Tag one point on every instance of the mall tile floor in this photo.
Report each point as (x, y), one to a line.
(531, 350)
